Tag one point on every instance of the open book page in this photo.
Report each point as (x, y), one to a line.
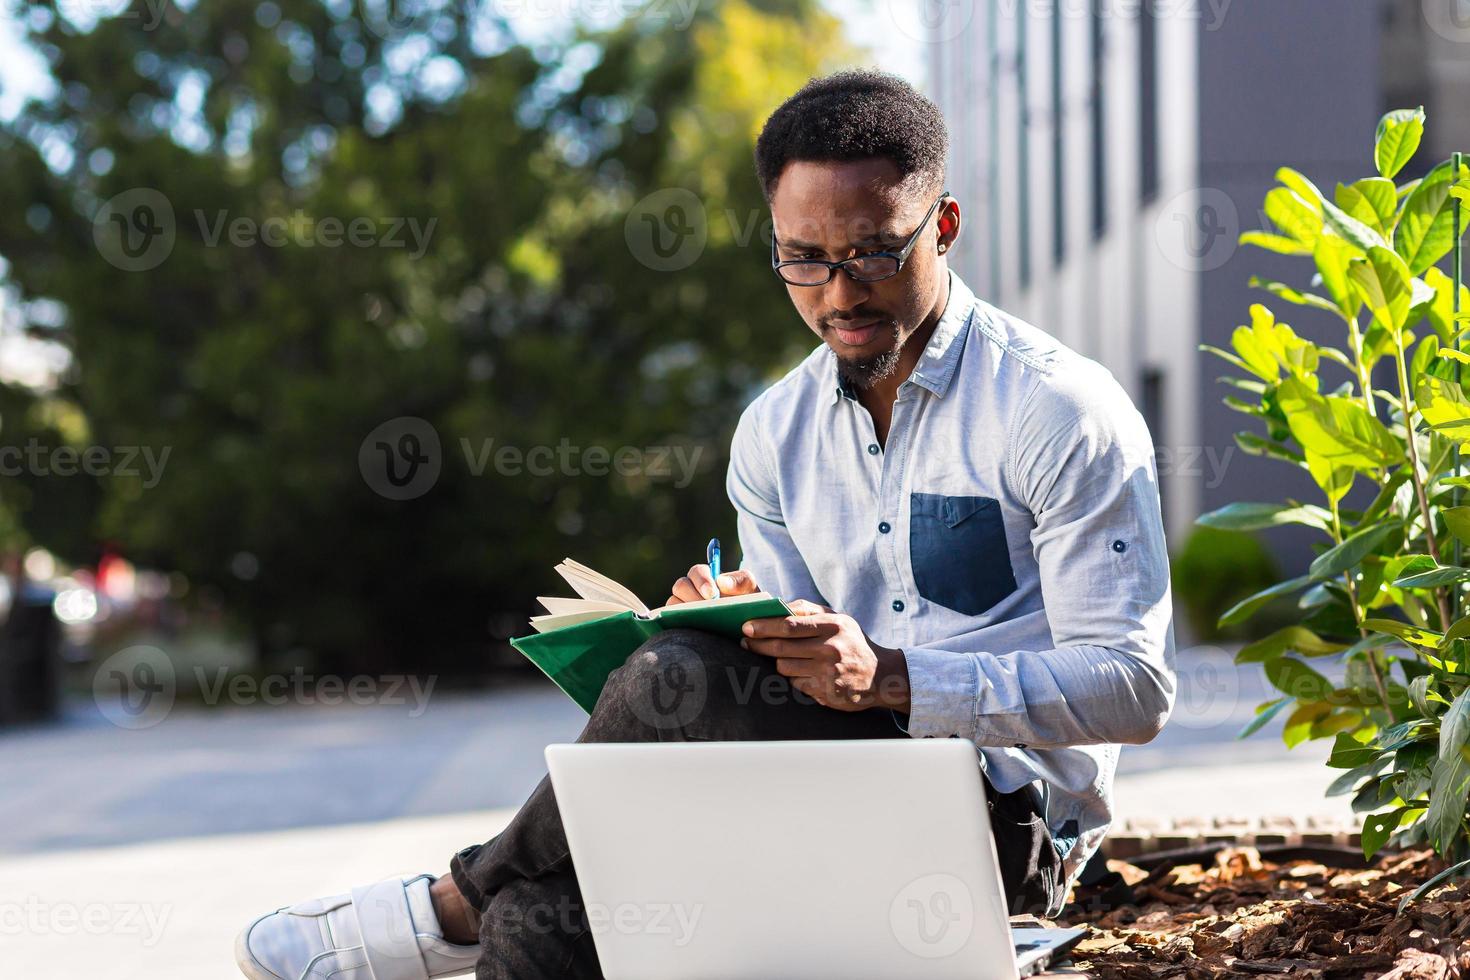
(718, 601)
(545, 624)
(598, 587)
(558, 606)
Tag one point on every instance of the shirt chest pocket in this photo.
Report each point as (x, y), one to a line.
(958, 551)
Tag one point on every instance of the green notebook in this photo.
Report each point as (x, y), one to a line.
(580, 641)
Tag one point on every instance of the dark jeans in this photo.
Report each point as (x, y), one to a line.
(683, 686)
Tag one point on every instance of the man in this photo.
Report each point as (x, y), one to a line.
(963, 514)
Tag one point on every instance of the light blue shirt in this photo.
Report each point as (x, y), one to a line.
(1008, 539)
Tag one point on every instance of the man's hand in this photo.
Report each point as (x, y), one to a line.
(699, 584)
(829, 658)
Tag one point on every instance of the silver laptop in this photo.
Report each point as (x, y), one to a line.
(738, 860)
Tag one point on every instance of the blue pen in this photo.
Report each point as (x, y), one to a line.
(712, 558)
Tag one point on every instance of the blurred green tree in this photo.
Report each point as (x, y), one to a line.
(581, 262)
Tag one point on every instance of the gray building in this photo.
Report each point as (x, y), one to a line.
(1107, 153)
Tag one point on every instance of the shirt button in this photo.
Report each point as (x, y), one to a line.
(883, 527)
(1120, 546)
(872, 449)
(898, 605)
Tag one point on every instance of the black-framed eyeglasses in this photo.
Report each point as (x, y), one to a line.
(864, 268)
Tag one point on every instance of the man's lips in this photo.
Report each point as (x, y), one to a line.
(857, 333)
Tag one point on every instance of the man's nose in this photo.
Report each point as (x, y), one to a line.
(844, 292)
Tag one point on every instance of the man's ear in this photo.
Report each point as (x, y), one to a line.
(949, 224)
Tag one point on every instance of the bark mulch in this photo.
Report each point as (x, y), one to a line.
(1247, 916)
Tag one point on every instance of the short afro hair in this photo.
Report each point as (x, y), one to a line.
(855, 115)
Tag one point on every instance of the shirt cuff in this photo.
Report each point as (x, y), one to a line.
(943, 693)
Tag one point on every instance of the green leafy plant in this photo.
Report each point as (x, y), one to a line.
(1387, 412)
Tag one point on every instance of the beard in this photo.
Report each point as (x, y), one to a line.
(863, 372)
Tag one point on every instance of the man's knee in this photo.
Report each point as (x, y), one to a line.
(676, 677)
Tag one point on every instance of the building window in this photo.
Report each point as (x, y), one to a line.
(1148, 100)
(1058, 160)
(1098, 96)
(1023, 146)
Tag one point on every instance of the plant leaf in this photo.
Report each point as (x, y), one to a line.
(1450, 779)
(1353, 549)
(1382, 281)
(1264, 713)
(1397, 139)
(1297, 638)
(1243, 516)
(1274, 243)
(1377, 828)
(1337, 429)
(1434, 578)
(1457, 519)
(1426, 230)
(1349, 753)
(1246, 607)
(1424, 889)
(1292, 677)
(1405, 632)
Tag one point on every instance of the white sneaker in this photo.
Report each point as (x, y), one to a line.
(386, 931)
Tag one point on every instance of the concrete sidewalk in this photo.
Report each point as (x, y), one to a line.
(171, 911)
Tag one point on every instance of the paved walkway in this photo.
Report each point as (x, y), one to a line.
(138, 854)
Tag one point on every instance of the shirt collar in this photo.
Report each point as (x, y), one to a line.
(936, 367)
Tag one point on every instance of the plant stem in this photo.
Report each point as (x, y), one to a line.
(1441, 597)
(1355, 347)
(1358, 611)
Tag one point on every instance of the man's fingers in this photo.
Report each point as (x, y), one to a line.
(815, 624)
(738, 582)
(802, 607)
(797, 667)
(704, 582)
(685, 591)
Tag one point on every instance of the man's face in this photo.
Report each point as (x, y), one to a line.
(833, 211)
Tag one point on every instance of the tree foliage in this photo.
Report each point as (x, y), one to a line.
(530, 318)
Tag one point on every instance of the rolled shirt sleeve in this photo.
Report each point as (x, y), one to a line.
(1081, 460)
